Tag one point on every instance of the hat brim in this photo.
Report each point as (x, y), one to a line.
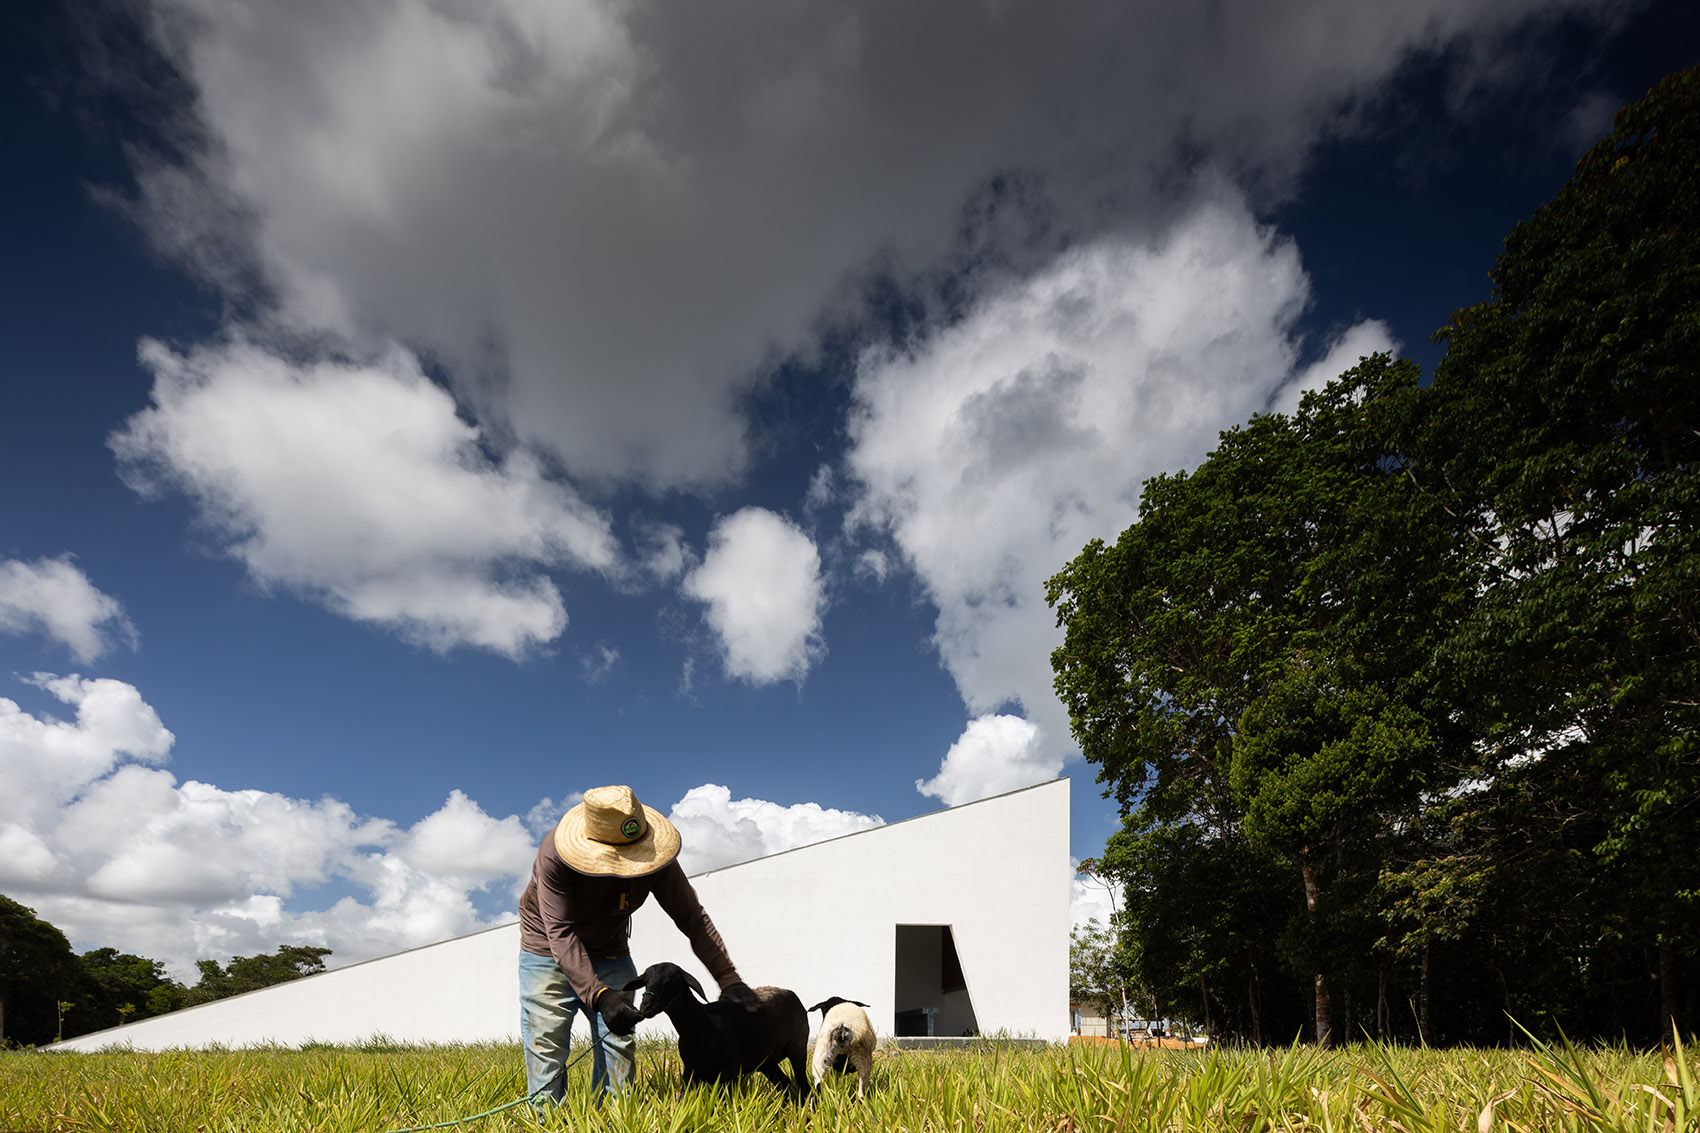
(658, 846)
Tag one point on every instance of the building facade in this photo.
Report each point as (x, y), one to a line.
(952, 923)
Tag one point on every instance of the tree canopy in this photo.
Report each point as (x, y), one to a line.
(47, 991)
(1432, 646)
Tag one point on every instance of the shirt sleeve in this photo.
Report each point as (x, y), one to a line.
(555, 885)
(678, 897)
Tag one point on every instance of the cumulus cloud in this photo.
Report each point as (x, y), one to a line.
(1371, 336)
(762, 586)
(996, 449)
(994, 754)
(54, 597)
(608, 220)
(103, 841)
(462, 842)
(717, 830)
(45, 762)
(358, 486)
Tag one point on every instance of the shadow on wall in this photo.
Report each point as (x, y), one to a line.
(931, 997)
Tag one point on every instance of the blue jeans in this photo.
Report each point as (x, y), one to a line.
(547, 1004)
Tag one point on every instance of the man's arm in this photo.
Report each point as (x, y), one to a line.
(676, 895)
(558, 913)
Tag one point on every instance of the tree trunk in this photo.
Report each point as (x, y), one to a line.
(1381, 1020)
(1256, 993)
(1422, 1000)
(1324, 1009)
(1667, 996)
(1505, 1007)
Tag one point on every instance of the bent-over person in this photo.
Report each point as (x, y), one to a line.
(607, 856)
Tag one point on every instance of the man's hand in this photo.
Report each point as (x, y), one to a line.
(622, 1018)
(739, 993)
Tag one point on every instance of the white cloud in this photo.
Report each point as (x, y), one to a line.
(599, 662)
(716, 830)
(606, 221)
(124, 855)
(1090, 899)
(1357, 342)
(762, 585)
(994, 754)
(111, 848)
(460, 841)
(872, 563)
(822, 489)
(661, 551)
(358, 486)
(996, 449)
(543, 817)
(45, 763)
(53, 597)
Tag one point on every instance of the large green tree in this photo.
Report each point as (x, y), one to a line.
(1249, 658)
(1563, 427)
(38, 971)
(116, 987)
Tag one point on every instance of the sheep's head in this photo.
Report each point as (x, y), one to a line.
(662, 986)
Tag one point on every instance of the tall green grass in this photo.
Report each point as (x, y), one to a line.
(381, 1087)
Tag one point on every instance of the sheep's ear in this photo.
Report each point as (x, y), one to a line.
(696, 987)
(633, 985)
(857, 1002)
(825, 1005)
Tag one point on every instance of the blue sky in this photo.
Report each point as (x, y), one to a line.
(412, 414)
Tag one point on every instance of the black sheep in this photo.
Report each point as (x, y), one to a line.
(720, 1041)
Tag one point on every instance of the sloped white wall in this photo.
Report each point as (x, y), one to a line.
(820, 920)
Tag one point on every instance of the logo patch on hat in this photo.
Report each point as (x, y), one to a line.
(631, 828)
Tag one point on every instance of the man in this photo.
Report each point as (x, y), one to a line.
(599, 864)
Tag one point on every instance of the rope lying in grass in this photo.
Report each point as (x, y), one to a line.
(589, 1047)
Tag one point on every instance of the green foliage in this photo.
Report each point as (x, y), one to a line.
(1202, 916)
(1246, 666)
(1561, 423)
(48, 992)
(1100, 971)
(251, 973)
(116, 987)
(38, 972)
(1438, 646)
(1316, 763)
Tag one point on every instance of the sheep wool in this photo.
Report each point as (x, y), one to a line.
(720, 1041)
(846, 1040)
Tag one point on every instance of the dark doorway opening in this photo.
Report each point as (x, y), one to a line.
(931, 997)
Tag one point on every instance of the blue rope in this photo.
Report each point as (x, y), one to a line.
(589, 1047)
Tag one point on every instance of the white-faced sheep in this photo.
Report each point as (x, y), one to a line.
(720, 1041)
(846, 1040)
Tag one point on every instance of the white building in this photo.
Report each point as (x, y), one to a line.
(952, 923)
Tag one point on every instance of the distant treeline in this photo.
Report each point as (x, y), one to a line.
(48, 992)
(1400, 694)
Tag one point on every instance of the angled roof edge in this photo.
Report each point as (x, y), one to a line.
(882, 826)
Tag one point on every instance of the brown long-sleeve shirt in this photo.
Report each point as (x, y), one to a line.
(575, 916)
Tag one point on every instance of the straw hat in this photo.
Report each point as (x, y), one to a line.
(611, 834)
